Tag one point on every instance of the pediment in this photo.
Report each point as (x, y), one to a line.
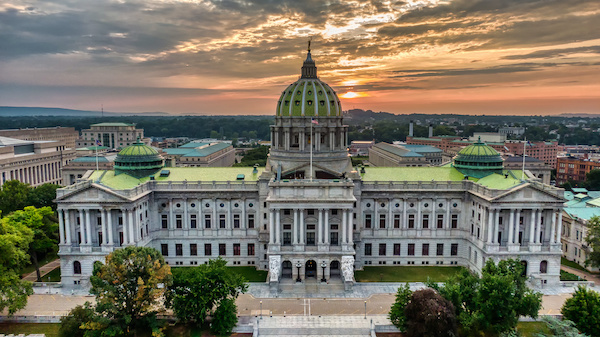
(92, 193)
(530, 193)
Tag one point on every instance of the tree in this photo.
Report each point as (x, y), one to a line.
(43, 196)
(15, 238)
(196, 291)
(593, 240)
(129, 289)
(396, 313)
(72, 324)
(225, 318)
(428, 314)
(45, 236)
(14, 195)
(592, 180)
(583, 308)
(559, 328)
(493, 302)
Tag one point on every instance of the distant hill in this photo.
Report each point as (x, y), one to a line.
(6, 111)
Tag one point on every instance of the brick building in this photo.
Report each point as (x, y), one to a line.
(573, 168)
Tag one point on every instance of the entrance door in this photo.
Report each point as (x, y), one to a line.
(311, 268)
(334, 269)
(286, 269)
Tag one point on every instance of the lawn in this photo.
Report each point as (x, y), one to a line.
(405, 274)
(529, 329)
(571, 264)
(53, 276)
(51, 256)
(566, 276)
(49, 329)
(250, 273)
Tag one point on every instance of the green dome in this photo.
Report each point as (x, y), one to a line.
(138, 160)
(309, 96)
(478, 160)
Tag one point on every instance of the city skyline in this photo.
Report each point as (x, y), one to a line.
(235, 57)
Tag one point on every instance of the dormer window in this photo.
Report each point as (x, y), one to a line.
(298, 93)
(287, 103)
(297, 103)
(322, 103)
(309, 102)
(320, 92)
(310, 92)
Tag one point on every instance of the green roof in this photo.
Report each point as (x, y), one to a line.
(92, 148)
(138, 149)
(478, 150)
(308, 97)
(112, 124)
(178, 174)
(206, 151)
(500, 181)
(193, 144)
(91, 159)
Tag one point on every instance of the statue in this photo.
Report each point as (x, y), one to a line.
(348, 268)
(274, 265)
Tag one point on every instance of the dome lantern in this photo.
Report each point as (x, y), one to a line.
(138, 160)
(478, 160)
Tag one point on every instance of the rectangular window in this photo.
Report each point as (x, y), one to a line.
(411, 221)
(454, 222)
(236, 221)
(165, 221)
(440, 249)
(250, 220)
(333, 238)
(193, 249)
(411, 249)
(178, 221)
(381, 220)
(382, 248)
(99, 221)
(425, 249)
(440, 221)
(396, 220)
(396, 249)
(425, 221)
(454, 249)
(237, 251)
(120, 221)
(178, 249)
(221, 220)
(207, 249)
(193, 223)
(164, 249)
(222, 249)
(367, 220)
(310, 238)
(207, 222)
(250, 249)
(287, 238)
(367, 249)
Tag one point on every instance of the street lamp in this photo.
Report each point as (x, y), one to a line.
(365, 309)
(298, 265)
(261, 309)
(323, 265)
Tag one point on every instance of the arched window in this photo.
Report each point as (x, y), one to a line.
(544, 267)
(76, 267)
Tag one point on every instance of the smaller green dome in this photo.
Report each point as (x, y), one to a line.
(138, 160)
(478, 160)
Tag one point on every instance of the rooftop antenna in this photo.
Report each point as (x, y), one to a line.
(102, 109)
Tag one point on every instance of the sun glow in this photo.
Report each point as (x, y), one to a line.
(352, 94)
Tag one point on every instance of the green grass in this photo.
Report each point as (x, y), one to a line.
(49, 329)
(529, 329)
(405, 274)
(53, 276)
(566, 276)
(571, 264)
(51, 256)
(250, 273)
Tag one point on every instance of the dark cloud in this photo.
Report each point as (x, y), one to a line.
(514, 68)
(554, 53)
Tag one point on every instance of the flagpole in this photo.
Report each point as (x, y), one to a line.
(523, 171)
(311, 146)
(97, 156)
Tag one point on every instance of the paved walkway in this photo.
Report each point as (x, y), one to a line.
(583, 274)
(45, 269)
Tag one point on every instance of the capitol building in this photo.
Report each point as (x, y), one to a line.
(309, 214)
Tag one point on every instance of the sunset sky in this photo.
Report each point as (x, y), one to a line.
(235, 57)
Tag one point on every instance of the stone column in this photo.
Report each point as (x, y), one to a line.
(215, 222)
(539, 227)
(186, 221)
(67, 227)
(104, 231)
(419, 224)
(448, 220)
(404, 215)
(88, 227)
(278, 226)
(490, 226)
(243, 217)
(320, 227)
(552, 226)
(131, 227)
(302, 228)
(559, 228)
(350, 228)
(532, 227)
(390, 216)
(200, 222)
(326, 228)
(496, 226)
(433, 221)
(61, 230)
(344, 225)
(296, 235)
(272, 227)
(517, 226)
(171, 220)
(109, 226)
(511, 226)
